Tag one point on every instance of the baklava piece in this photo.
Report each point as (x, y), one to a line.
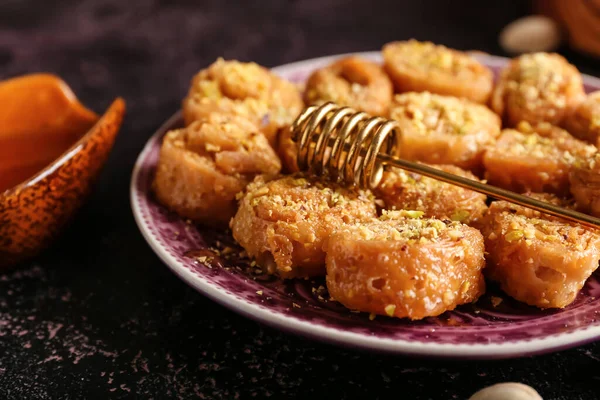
(538, 87)
(406, 267)
(423, 66)
(283, 223)
(444, 130)
(202, 167)
(535, 159)
(243, 89)
(538, 259)
(353, 82)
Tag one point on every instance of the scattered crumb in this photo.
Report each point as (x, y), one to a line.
(496, 301)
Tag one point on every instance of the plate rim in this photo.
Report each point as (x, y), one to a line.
(513, 349)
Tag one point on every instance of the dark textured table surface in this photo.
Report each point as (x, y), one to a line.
(99, 316)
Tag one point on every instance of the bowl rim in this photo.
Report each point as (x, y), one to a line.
(476, 351)
(74, 149)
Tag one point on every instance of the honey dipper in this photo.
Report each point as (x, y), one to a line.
(353, 147)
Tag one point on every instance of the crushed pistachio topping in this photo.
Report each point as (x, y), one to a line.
(413, 214)
(300, 182)
(249, 75)
(588, 165)
(460, 215)
(541, 78)
(400, 189)
(521, 224)
(245, 89)
(429, 56)
(465, 287)
(404, 226)
(210, 89)
(431, 113)
(298, 198)
(544, 142)
(390, 309)
(514, 236)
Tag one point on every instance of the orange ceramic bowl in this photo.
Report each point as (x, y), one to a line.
(51, 150)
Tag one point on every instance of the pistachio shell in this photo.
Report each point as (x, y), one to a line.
(507, 391)
(530, 34)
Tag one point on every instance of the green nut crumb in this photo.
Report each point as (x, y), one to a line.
(389, 309)
(413, 214)
(514, 235)
(460, 215)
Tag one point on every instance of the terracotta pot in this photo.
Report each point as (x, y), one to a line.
(51, 150)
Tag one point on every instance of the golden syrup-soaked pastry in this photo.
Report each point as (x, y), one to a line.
(423, 66)
(444, 130)
(283, 223)
(584, 123)
(538, 87)
(244, 89)
(403, 266)
(403, 190)
(203, 166)
(353, 82)
(534, 159)
(585, 185)
(538, 259)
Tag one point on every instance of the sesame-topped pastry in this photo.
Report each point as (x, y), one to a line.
(538, 87)
(353, 82)
(534, 159)
(244, 89)
(423, 66)
(203, 166)
(401, 265)
(538, 259)
(283, 223)
(584, 123)
(403, 190)
(443, 130)
(585, 185)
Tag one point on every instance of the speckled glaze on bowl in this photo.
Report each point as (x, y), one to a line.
(495, 327)
(33, 212)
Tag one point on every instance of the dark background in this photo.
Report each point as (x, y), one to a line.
(99, 316)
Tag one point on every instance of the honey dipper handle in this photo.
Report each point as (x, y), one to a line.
(489, 190)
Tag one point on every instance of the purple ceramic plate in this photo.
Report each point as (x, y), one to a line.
(495, 327)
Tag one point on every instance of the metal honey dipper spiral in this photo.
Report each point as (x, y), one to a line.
(352, 147)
